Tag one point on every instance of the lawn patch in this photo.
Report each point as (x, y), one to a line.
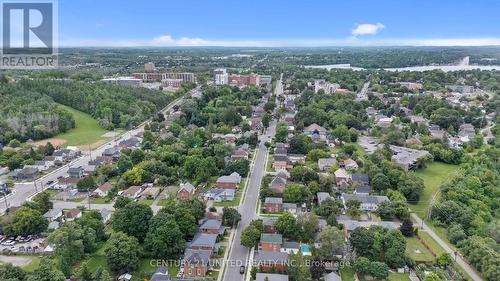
(417, 251)
(87, 130)
(433, 175)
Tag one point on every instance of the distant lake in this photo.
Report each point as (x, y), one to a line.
(444, 68)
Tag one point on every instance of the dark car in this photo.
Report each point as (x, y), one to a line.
(242, 269)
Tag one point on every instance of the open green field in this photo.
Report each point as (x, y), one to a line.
(433, 175)
(399, 277)
(417, 251)
(87, 130)
(438, 250)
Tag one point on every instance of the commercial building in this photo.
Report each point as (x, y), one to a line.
(158, 76)
(171, 83)
(244, 80)
(127, 81)
(221, 77)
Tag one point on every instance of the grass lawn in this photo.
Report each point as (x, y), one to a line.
(99, 200)
(147, 267)
(347, 274)
(87, 130)
(438, 250)
(433, 175)
(76, 200)
(269, 166)
(148, 202)
(399, 277)
(35, 262)
(417, 251)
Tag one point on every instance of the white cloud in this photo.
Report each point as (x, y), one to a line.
(169, 41)
(367, 29)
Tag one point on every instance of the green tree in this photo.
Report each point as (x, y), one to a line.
(287, 225)
(250, 236)
(8, 272)
(122, 252)
(298, 270)
(86, 184)
(26, 221)
(133, 219)
(331, 239)
(46, 272)
(230, 216)
(163, 240)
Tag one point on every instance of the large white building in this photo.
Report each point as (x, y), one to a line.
(328, 87)
(220, 76)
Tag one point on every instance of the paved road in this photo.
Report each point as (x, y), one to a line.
(239, 254)
(22, 192)
(363, 94)
(248, 209)
(461, 262)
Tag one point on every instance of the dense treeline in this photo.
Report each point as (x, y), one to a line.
(469, 208)
(113, 105)
(28, 114)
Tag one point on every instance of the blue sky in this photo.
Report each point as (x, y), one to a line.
(278, 22)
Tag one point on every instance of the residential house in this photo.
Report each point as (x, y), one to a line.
(351, 225)
(315, 131)
(53, 214)
(291, 208)
(53, 225)
(322, 196)
(230, 181)
(113, 152)
(270, 242)
(269, 225)
(220, 195)
(239, 154)
(271, 261)
(277, 185)
(212, 226)
(256, 124)
(280, 162)
(368, 202)
(284, 174)
(76, 172)
(271, 277)
(196, 263)
(65, 183)
(106, 215)
(297, 158)
(419, 120)
(161, 274)
(131, 192)
(202, 241)
(103, 190)
(342, 178)
(130, 143)
(150, 192)
(273, 205)
(43, 165)
(407, 158)
(281, 151)
(186, 191)
(290, 247)
(27, 174)
(72, 214)
(350, 164)
(326, 164)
